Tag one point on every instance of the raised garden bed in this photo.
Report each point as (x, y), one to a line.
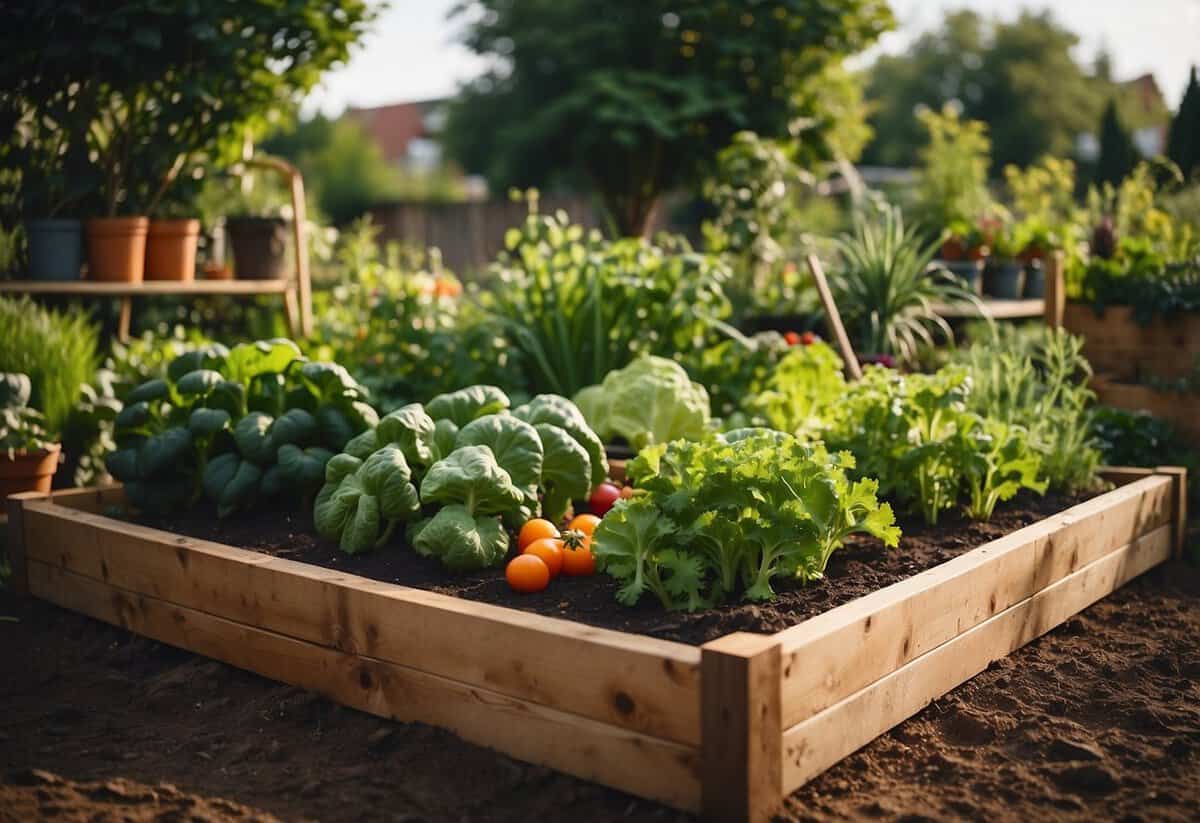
(1180, 409)
(727, 728)
(1117, 345)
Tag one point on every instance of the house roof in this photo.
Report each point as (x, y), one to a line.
(394, 126)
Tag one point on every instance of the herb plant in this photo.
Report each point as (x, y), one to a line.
(723, 518)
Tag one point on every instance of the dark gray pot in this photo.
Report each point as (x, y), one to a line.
(1004, 281)
(259, 247)
(968, 272)
(1035, 281)
(55, 249)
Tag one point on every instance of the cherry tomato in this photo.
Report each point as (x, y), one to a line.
(603, 497)
(527, 573)
(535, 529)
(627, 492)
(791, 337)
(585, 523)
(550, 551)
(578, 560)
(808, 338)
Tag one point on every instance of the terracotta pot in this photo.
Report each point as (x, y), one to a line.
(171, 250)
(953, 249)
(117, 248)
(259, 247)
(28, 471)
(215, 271)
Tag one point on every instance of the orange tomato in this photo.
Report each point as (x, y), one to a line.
(585, 523)
(578, 560)
(550, 550)
(535, 529)
(627, 492)
(527, 573)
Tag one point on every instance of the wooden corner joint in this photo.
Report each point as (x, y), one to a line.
(14, 540)
(741, 739)
(1178, 475)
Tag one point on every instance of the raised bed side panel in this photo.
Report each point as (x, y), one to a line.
(1115, 344)
(645, 766)
(833, 655)
(742, 741)
(639, 683)
(818, 742)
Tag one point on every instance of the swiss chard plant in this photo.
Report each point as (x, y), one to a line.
(457, 471)
(723, 518)
(235, 425)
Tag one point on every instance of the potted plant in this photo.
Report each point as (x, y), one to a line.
(28, 457)
(53, 178)
(963, 253)
(256, 231)
(1004, 277)
(171, 243)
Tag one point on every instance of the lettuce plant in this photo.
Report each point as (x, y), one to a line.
(652, 400)
(802, 391)
(725, 517)
(996, 461)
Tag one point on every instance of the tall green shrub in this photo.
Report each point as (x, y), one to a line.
(58, 350)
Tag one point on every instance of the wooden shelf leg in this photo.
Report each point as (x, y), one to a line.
(741, 749)
(124, 319)
(291, 310)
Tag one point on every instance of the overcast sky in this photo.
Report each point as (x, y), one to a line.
(413, 54)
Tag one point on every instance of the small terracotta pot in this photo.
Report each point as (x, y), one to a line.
(117, 248)
(28, 471)
(171, 250)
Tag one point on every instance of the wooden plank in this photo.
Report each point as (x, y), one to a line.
(835, 654)
(818, 742)
(96, 288)
(1124, 475)
(16, 540)
(594, 751)
(93, 499)
(994, 308)
(1056, 290)
(641, 683)
(741, 752)
(1178, 476)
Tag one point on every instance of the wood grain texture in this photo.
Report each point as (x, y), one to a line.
(643, 765)
(741, 749)
(819, 741)
(16, 539)
(639, 683)
(834, 654)
(1115, 344)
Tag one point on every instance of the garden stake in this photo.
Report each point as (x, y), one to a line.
(836, 329)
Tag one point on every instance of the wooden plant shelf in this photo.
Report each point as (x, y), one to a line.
(727, 729)
(147, 287)
(994, 308)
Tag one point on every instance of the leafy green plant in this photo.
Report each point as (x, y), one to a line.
(1137, 438)
(455, 471)
(56, 350)
(219, 420)
(20, 426)
(725, 517)
(802, 391)
(652, 400)
(576, 306)
(886, 290)
(735, 368)
(952, 180)
(996, 462)
(1037, 378)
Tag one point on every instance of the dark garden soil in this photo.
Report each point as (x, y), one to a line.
(863, 566)
(1098, 720)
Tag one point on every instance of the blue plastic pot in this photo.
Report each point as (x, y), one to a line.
(55, 249)
(969, 273)
(1035, 280)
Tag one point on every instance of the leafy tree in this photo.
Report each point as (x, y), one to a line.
(952, 190)
(1183, 139)
(633, 99)
(147, 88)
(1017, 77)
(1118, 155)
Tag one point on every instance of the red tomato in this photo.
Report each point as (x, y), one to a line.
(808, 338)
(578, 560)
(585, 523)
(550, 551)
(527, 573)
(535, 529)
(791, 337)
(603, 497)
